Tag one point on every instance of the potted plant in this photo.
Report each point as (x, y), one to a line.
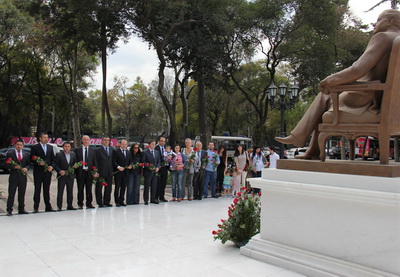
(243, 219)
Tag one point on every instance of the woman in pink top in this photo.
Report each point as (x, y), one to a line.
(178, 163)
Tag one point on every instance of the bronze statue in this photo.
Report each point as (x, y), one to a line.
(355, 106)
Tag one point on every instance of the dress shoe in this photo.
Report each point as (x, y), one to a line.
(155, 202)
(59, 210)
(101, 206)
(90, 207)
(190, 199)
(146, 203)
(180, 199)
(108, 205)
(164, 200)
(50, 210)
(118, 205)
(80, 207)
(123, 204)
(205, 196)
(290, 140)
(215, 196)
(9, 213)
(71, 208)
(23, 212)
(199, 198)
(35, 211)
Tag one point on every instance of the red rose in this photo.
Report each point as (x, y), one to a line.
(83, 163)
(141, 164)
(148, 164)
(207, 157)
(195, 150)
(236, 200)
(222, 220)
(33, 158)
(214, 232)
(259, 194)
(147, 146)
(215, 151)
(104, 184)
(8, 160)
(243, 188)
(239, 194)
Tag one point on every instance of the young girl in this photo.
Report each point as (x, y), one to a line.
(227, 182)
(235, 183)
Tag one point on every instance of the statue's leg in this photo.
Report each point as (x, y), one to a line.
(312, 152)
(308, 123)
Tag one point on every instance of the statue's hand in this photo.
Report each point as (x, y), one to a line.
(324, 87)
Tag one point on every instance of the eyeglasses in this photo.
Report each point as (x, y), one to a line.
(135, 147)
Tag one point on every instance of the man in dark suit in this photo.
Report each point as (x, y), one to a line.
(83, 176)
(199, 172)
(163, 172)
(122, 161)
(17, 178)
(151, 156)
(41, 175)
(64, 161)
(104, 163)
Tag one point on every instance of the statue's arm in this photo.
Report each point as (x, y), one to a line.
(376, 49)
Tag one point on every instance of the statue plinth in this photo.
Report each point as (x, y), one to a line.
(326, 224)
(368, 168)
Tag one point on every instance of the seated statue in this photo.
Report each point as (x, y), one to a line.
(354, 106)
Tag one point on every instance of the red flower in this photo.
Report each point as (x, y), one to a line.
(8, 160)
(215, 151)
(214, 232)
(195, 149)
(33, 158)
(104, 184)
(141, 164)
(239, 194)
(236, 200)
(83, 163)
(93, 167)
(222, 220)
(259, 194)
(148, 164)
(207, 156)
(147, 146)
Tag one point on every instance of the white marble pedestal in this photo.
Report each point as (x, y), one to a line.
(325, 224)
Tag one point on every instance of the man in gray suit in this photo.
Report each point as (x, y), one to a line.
(151, 157)
(64, 164)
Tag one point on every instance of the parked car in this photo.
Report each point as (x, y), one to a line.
(3, 154)
(336, 153)
(293, 152)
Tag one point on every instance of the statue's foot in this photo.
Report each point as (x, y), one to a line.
(290, 140)
(307, 156)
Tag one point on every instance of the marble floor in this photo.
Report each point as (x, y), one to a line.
(170, 239)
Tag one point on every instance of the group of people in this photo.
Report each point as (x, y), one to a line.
(194, 172)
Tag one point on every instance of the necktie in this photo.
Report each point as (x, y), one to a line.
(107, 150)
(152, 152)
(44, 149)
(124, 153)
(86, 155)
(19, 156)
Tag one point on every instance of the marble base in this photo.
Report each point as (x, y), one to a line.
(326, 224)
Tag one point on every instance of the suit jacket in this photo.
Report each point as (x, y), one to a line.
(79, 157)
(158, 148)
(197, 166)
(104, 162)
(37, 150)
(120, 160)
(25, 162)
(147, 157)
(61, 162)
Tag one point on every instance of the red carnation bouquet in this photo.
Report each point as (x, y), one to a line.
(40, 162)
(94, 171)
(13, 163)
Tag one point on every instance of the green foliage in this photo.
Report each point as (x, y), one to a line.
(243, 219)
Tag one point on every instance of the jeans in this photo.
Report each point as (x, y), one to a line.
(177, 183)
(209, 176)
(133, 193)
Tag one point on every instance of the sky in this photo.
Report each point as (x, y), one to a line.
(136, 59)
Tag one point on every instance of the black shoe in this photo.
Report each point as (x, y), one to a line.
(155, 202)
(35, 211)
(23, 212)
(101, 206)
(108, 205)
(215, 196)
(71, 208)
(164, 200)
(80, 207)
(9, 213)
(59, 210)
(146, 203)
(90, 207)
(205, 196)
(123, 204)
(50, 210)
(118, 205)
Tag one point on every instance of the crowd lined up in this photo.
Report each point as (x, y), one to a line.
(195, 173)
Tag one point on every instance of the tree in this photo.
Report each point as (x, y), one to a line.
(393, 4)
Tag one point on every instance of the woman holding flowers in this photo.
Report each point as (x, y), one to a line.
(178, 163)
(191, 161)
(135, 175)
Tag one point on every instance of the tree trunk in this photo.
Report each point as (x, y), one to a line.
(203, 126)
(105, 110)
(76, 128)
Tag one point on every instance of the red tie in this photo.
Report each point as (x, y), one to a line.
(19, 156)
